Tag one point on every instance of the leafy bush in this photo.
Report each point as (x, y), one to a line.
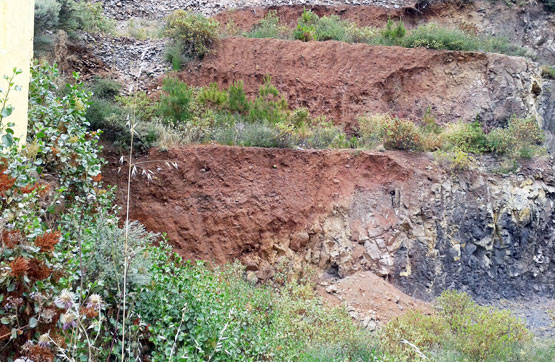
(47, 15)
(549, 4)
(218, 315)
(331, 28)
(269, 28)
(372, 128)
(212, 96)
(176, 100)
(70, 15)
(548, 71)
(393, 34)
(90, 17)
(193, 34)
(467, 137)
(456, 160)
(432, 36)
(474, 332)
(521, 139)
(269, 105)
(237, 99)
(306, 26)
(402, 135)
(365, 34)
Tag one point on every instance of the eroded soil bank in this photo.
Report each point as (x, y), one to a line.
(344, 81)
(395, 214)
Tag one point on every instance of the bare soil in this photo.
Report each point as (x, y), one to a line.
(344, 81)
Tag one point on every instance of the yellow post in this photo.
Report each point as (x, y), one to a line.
(16, 51)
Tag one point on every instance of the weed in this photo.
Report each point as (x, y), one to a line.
(460, 326)
(176, 100)
(194, 34)
(213, 96)
(269, 28)
(548, 71)
(237, 99)
(306, 26)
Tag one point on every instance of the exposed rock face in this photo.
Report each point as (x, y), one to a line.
(396, 214)
(345, 81)
(124, 9)
(489, 236)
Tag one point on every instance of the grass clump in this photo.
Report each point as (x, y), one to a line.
(454, 143)
(269, 27)
(458, 326)
(432, 36)
(522, 138)
(193, 35)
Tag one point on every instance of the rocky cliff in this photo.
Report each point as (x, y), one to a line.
(396, 214)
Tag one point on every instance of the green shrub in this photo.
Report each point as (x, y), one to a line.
(467, 137)
(175, 101)
(366, 34)
(90, 17)
(456, 160)
(269, 105)
(548, 71)
(237, 99)
(139, 104)
(480, 332)
(213, 96)
(194, 34)
(175, 56)
(393, 34)
(331, 28)
(70, 15)
(433, 36)
(372, 128)
(402, 135)
(521, 139)
(218, 315)
(47, 14)
(269, 28)
(105, 88)
(474, 332)
(549, 4)
(306, 26)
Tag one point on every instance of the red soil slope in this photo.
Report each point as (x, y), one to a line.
(224, 203)
(345, 81)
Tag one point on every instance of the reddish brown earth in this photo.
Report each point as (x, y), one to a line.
(245, 19)
(344, 81)
(258, 205)
(371, 297)
(223, 203)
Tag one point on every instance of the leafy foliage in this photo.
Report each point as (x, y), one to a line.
(432, 36)
(269, 28)
(194, 34)
(176, 100)
(477, 333)
(219, 316)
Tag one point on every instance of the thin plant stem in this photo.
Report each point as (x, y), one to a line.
(126, 242)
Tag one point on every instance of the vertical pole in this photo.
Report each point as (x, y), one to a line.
(16, 51)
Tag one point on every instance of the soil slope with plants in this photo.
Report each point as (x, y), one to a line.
(293, 181)
(344, 81)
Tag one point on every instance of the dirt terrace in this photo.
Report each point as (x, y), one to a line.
(225, 202)
(344, 81)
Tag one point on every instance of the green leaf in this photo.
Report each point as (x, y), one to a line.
(5, 320)
(33, 322)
